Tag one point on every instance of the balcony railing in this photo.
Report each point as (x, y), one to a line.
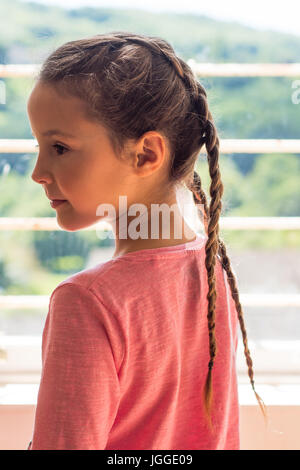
(203, 69)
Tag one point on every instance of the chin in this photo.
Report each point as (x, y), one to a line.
(69, 227)
(73, 224)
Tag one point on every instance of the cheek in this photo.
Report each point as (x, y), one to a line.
(73, 170)
(105, 175)
(93, 177)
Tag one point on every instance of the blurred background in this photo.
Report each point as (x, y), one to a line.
(233, 47)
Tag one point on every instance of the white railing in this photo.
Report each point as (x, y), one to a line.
(275, 361)
(226, 146)
(248, 300)
(225, 223)
(200, 69)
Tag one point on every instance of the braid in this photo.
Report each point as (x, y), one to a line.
(155, 47)
(200, 198)
(154, 44)
(235, 295)
(211, 229)
(211, 249)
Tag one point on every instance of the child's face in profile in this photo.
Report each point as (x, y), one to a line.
(81, 168)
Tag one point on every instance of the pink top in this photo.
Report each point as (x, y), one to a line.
(125, 355)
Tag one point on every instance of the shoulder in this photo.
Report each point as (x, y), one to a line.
(90, 281)
(93, 290)
(86, 277)
(77, 310)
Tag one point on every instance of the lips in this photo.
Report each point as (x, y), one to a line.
(57, 203)
(54, 198)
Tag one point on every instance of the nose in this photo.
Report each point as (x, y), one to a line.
(41, 175)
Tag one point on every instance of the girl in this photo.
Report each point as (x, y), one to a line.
(127, 361)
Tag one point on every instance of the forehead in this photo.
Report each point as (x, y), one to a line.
(47, 109)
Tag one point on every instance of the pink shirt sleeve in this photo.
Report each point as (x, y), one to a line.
(79, 389)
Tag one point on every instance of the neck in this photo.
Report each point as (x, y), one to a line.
(151, 228)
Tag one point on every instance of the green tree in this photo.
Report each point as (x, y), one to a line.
(272, 188)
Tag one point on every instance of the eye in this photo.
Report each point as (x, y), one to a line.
(60, 149)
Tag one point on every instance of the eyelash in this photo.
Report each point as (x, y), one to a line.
(57, 145)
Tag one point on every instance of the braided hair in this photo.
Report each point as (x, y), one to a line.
(132, 83)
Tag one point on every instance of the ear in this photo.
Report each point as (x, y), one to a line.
(150, 153)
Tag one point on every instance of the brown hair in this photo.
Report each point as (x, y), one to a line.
(131, 84)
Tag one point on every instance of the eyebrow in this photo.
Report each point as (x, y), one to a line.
(55, 132)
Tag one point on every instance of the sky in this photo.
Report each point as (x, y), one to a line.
(261, 14)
